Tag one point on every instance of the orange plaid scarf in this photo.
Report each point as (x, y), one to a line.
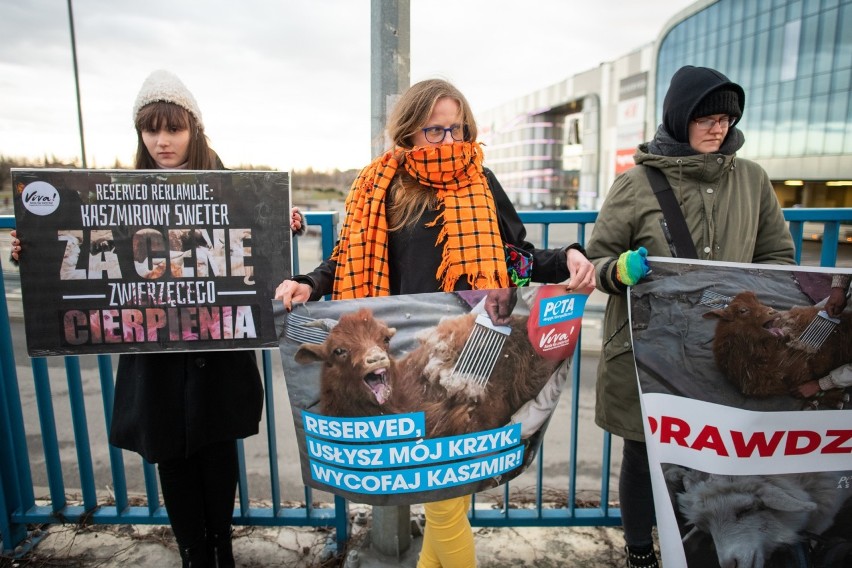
(470, 235)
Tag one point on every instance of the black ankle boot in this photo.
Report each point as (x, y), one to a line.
(641, 557)
(220, 550)
(196, 556)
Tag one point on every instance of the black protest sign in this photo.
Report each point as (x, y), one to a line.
(118, 261)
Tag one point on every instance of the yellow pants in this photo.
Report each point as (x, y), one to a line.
(447, 538)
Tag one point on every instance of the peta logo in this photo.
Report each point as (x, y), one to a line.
(561, 308)
(40, 198)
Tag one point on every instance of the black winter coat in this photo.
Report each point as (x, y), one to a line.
(169, 405)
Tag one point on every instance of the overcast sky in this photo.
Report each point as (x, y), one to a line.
(284, 83)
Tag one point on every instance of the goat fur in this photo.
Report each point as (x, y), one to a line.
(361, 378)
(757, 347)
(456, 405)
(751, 516)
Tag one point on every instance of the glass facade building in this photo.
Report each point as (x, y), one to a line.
(563, 146)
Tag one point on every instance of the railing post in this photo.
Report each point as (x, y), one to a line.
(11, 435)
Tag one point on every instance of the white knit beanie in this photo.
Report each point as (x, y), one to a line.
(164, 86)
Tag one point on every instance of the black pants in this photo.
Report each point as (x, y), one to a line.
(636, 495)
(199, 492)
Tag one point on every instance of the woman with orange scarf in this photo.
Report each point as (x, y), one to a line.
(427, 217)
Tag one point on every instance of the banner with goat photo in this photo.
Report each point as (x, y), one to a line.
(117, 261)
(405, 399)
(751, 456)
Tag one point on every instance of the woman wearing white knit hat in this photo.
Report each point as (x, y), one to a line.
(165, 106)
(185, 411)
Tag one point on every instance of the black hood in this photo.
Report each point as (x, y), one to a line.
(688, 87)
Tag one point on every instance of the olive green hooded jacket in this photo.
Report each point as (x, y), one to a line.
(732, 214)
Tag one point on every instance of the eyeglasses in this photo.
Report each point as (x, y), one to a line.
(708, 123)
(436, 134)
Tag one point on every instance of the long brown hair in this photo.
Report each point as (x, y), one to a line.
(158, 114)
(409, 199)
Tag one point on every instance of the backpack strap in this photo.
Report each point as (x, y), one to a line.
(681, 240)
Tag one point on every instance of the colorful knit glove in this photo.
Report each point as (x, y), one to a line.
(632, 266)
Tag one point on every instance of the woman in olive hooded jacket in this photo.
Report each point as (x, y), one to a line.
(732, 215)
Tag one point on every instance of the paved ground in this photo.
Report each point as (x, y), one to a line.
(255, 547)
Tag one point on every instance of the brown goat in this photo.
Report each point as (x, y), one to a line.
(356, 377)
(757, 347)
(457, 404)
(360, 378)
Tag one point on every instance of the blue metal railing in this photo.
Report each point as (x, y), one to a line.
(831, 220)
(18, 505)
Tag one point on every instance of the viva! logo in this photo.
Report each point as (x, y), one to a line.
(40, 198)
(554, 323)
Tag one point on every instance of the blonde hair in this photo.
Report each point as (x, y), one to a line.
(409, 199)
(161, 114)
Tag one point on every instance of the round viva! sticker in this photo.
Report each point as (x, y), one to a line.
(555, 321)
(40, 198)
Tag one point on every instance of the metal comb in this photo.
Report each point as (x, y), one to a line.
(481, 350)
(818, 330)
(713, 299)
(302, 329)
